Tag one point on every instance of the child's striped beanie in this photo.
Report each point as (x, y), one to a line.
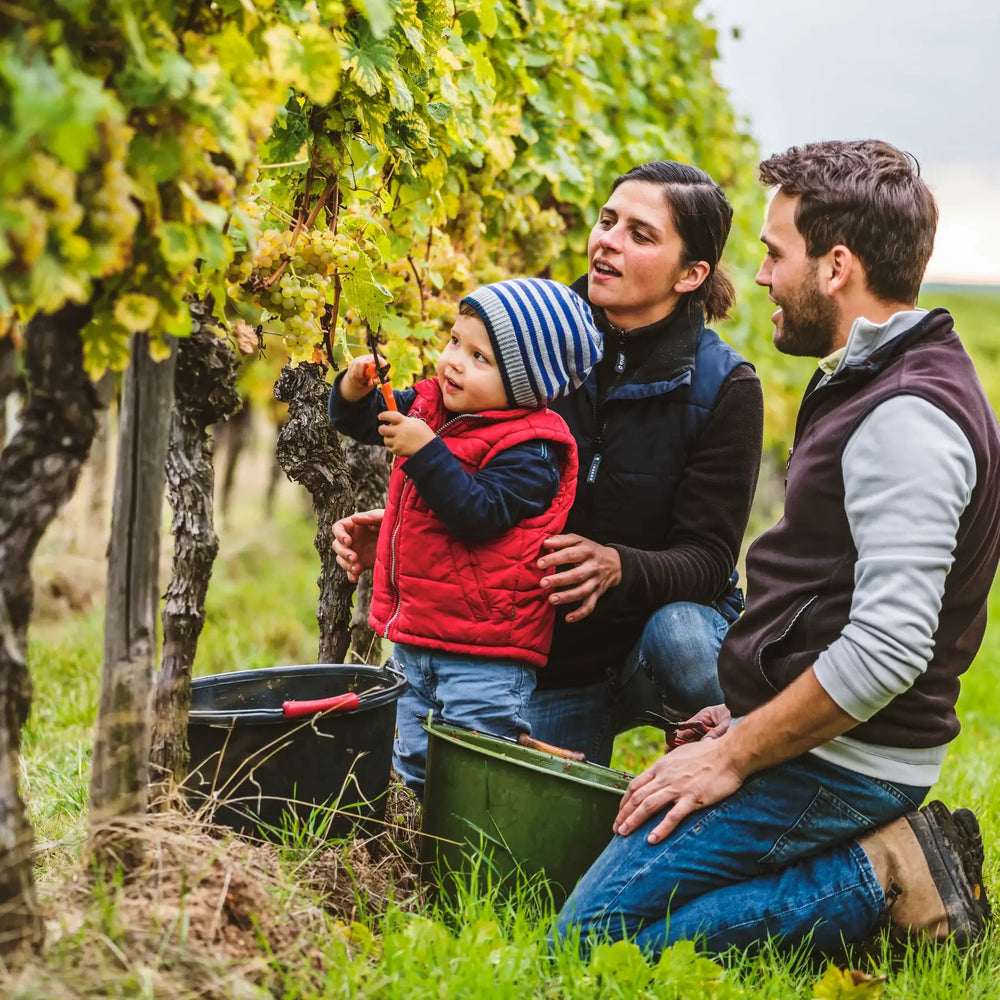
(543, 334)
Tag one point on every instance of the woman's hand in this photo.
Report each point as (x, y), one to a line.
(403, 435)
(688, 778)
(355, 540)
(594, 569)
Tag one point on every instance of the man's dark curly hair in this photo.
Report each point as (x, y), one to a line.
(868, 196)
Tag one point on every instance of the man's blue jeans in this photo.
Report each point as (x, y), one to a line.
(778, 858)
(674, 663)
(477, 693)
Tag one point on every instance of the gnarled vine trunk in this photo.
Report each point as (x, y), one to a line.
(39, 469)
(204, 393)
(369, 467)
(310, 454)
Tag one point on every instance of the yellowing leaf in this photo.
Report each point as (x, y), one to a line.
(319, 66)
(135, 312)
(379, 14)
(159, 349)
(847, 984)
(178, 244)
(487, 18)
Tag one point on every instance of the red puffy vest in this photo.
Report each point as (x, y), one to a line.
(477, 598)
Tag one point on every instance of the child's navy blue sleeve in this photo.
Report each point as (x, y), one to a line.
(360, 420)
(519, 482)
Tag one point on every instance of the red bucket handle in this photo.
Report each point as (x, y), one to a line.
(340, 702)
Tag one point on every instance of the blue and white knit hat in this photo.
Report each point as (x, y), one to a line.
(543, 335)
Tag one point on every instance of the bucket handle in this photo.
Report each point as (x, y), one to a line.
(529, 741)
(338, 703)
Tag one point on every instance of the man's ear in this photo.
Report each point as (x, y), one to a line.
(842, 266)
(693, 277)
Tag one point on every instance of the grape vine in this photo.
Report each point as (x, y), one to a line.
(407, 149)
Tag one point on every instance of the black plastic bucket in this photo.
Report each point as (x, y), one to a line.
(250, 764)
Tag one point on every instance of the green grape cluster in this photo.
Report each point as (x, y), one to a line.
(288, 277)
(537, 233)
(63, 227)
(112, 212)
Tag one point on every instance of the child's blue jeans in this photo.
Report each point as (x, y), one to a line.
(490, 696)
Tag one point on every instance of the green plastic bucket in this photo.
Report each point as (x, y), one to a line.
(492, 806)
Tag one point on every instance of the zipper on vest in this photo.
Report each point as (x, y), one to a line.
(620, 359)
(454, 420)
(602, 424)
(394, 557)
(759, 658)
(394, 547)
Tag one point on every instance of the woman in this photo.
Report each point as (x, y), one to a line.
(669, 427)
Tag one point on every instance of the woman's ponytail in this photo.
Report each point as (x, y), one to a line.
(719, 295)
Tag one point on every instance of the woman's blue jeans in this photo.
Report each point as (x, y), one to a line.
(778, 858)
(674, 663)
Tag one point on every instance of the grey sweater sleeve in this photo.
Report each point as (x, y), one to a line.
(909, 472)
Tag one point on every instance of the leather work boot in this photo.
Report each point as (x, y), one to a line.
(930, 866)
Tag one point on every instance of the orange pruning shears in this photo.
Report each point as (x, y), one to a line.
(381, 372)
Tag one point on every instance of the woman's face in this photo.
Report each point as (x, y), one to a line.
(636, 262)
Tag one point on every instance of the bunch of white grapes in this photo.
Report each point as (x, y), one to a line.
(298, 297)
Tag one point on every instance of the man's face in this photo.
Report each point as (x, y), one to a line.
(807, 320)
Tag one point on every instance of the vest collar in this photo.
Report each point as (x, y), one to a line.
(888, 340)
(659, 352)
(867, 337)
(936, 323)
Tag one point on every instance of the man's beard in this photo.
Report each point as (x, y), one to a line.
(809, 322)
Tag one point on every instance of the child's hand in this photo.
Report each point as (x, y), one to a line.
(359, 379)
(403, 435)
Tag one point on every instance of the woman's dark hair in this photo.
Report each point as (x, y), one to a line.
(702, 216)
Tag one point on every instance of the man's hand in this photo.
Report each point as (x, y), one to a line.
(403, 435)
(355, 540)
(594, 570)
(695, 775)
(715, 719)
(688, 778)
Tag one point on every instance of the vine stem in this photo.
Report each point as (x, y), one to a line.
(305, 223)
(334, 307)
(420, 287)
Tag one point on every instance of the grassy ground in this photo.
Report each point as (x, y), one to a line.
(212, 916)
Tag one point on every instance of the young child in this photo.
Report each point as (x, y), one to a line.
(484, 472)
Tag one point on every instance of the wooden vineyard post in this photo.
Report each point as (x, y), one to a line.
(118, 784)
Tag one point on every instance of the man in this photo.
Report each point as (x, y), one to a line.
(866, 602)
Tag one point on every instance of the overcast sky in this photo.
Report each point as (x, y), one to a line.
(923, 74)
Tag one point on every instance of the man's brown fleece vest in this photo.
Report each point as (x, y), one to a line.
(801, 573)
